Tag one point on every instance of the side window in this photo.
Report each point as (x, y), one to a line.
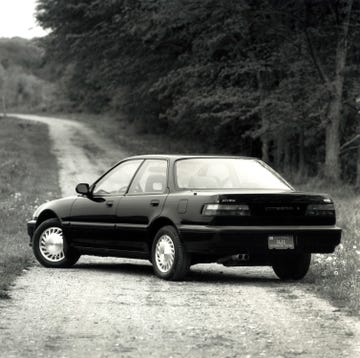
(151, 178)
(118, 180)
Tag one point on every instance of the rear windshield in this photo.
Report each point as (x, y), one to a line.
(226, 173)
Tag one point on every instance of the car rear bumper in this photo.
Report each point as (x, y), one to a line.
(218, 240)
(31, 228)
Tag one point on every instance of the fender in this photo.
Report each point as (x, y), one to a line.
(59, 208)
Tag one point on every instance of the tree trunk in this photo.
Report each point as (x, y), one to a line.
(265, 149)
(301, 165)
(4, 104)
(287, 156)
(332, 138)
(279, 151)
(357, 179)
(357, 182)
(332, 142)
(264, 122)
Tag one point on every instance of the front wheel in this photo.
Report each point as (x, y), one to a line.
(50, 247)
(169, 257)
(292, 266)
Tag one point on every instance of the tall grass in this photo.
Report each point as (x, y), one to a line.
(337, 275)
(28, 177)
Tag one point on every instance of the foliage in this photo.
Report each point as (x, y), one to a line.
(23, 83)
(231, 74)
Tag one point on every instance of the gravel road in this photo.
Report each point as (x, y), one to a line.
(105, 307)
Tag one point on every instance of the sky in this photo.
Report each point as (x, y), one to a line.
(17, 19)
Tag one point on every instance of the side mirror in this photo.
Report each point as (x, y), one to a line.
(83, 188)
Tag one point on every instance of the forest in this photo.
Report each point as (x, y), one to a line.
(23, 81)
(276, 79)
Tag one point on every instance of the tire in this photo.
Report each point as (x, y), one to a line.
(292, 266)
(50, 248)
(174, 264)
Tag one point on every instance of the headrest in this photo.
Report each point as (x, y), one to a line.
(155, 183)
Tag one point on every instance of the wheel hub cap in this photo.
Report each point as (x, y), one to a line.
(165, 253)
(52, 244)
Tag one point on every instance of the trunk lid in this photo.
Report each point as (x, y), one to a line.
(279, 208)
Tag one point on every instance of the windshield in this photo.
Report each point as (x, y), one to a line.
(226, 173)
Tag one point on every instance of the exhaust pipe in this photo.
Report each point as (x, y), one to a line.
(243, 257)
(234, 260)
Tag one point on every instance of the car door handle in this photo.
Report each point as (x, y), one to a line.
(154, 202)
(109, 203)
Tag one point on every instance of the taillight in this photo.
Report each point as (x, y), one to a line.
(320, 210)
(226, 209)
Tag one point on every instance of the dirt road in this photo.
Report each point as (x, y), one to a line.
(115, 307)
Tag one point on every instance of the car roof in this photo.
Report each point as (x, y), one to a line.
(186, 156)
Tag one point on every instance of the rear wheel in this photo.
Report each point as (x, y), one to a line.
(50, 247)
(169, 257)
(292, 266)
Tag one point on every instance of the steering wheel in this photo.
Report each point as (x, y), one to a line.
(137, 189)
(123, 189)
(101, 192)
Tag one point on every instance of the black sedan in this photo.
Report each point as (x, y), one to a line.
(177, 211)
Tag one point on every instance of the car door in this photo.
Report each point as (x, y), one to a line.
(142, 203)
(93, 217)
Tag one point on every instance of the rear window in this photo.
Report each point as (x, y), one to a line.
(227, 173)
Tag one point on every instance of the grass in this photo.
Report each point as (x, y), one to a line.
(28, 177)
(334, 276)
(337, 275)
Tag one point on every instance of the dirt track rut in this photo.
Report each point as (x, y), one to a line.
(106, 307)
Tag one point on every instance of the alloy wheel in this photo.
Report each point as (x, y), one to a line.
(165, 253)
(51, 244)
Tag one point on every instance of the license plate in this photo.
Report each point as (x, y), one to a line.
(281, 242)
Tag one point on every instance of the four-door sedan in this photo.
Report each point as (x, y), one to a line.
(177, 211)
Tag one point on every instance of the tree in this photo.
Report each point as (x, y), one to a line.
(339, 18)
(265, 78)
(3, 89)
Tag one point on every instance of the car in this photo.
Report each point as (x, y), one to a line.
(181, 210)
